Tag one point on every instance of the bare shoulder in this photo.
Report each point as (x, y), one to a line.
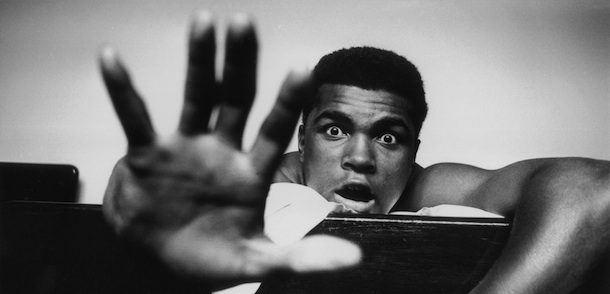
(290, 170)
(442, 183)
(496, 190)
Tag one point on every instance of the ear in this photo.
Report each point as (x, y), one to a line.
(301, 138)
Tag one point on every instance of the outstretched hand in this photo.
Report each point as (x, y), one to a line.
(194, 198)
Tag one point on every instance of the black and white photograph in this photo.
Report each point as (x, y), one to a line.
(241, 147)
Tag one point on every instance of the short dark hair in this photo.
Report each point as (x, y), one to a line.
(372, 69)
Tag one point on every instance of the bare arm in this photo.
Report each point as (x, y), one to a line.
(561, 210)
(561, 227)
(195, 199)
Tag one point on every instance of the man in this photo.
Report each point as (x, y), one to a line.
(197, 201)
(357, 147)
(359, 136)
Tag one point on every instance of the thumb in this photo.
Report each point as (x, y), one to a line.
(312, 254)
(253, 259)
(319, 253)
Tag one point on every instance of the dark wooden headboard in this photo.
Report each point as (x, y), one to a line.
(68, 248)
(406, 254)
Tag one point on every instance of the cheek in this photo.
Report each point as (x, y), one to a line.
(319, 175)
(394, 173)
(320, 152)
(318, 162)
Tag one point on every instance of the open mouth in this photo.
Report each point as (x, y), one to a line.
(356, 192)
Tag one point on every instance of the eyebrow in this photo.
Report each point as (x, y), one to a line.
(333, 115)
(389, 122)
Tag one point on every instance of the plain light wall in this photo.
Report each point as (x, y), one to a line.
(505, 80)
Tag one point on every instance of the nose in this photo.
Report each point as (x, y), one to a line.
(359, 155)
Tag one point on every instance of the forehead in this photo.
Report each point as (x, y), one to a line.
(359, 103)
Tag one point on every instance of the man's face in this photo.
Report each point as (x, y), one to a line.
(358, 147)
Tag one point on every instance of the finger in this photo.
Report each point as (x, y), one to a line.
(200, 90)
(127, 103)
(278, 127)
(239, 79)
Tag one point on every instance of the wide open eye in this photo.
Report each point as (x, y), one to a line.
(387, 139)
(335, 131)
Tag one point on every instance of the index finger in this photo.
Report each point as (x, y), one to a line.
(278, 127)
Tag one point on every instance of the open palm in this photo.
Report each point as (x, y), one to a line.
(194, 198)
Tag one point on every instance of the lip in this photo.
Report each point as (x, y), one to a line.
(356, 192)
(355, 206)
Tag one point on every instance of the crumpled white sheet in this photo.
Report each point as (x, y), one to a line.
(292, 210)
(450, 210)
